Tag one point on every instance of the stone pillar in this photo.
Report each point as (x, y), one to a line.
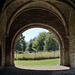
(0, 56)
(72, 39)
(64, 60)
(8, 58)
(61, 55)
(8, 52)
(13, 50)
(72, 53)
(64, 53)
(3, 54)
(2, 50)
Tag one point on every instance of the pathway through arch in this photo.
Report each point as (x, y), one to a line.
(44, 67)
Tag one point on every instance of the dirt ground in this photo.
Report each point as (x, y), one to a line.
(44, 67)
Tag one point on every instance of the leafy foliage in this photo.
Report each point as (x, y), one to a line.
(29, 47)
(50, 43)
(20, 44)
(45, 41)
(38, 43)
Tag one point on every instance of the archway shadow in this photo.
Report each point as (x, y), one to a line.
(18, 71)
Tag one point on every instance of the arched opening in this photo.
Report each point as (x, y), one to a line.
(23, 14)
(27, 20)
(34, 26)
(33, 59)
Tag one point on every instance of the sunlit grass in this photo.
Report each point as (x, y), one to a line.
(38, 62)
(38, 55)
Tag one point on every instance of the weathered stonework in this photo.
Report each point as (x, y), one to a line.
(19, 15)
(72, 39)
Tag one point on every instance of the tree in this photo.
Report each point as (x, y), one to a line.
(23, 45)
(29, 47)
(39, 41)
(20, 44)
(34, 46)
(45, 41)
(50, 43)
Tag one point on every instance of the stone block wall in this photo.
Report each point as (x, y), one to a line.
(18, 14)
(72, 39)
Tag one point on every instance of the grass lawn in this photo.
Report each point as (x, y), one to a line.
(38, 62)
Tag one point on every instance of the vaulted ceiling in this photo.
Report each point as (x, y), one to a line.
(69, 2)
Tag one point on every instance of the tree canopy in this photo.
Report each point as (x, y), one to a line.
(20, 44)
(45, 41)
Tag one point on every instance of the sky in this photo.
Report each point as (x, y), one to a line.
(33, 32)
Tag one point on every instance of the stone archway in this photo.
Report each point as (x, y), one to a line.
(31, 16)
(16, 14)
(35, 25)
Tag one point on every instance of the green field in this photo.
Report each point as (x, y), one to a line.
(38, 62)
(37, 55)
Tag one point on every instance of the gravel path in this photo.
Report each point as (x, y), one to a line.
(44, 67)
